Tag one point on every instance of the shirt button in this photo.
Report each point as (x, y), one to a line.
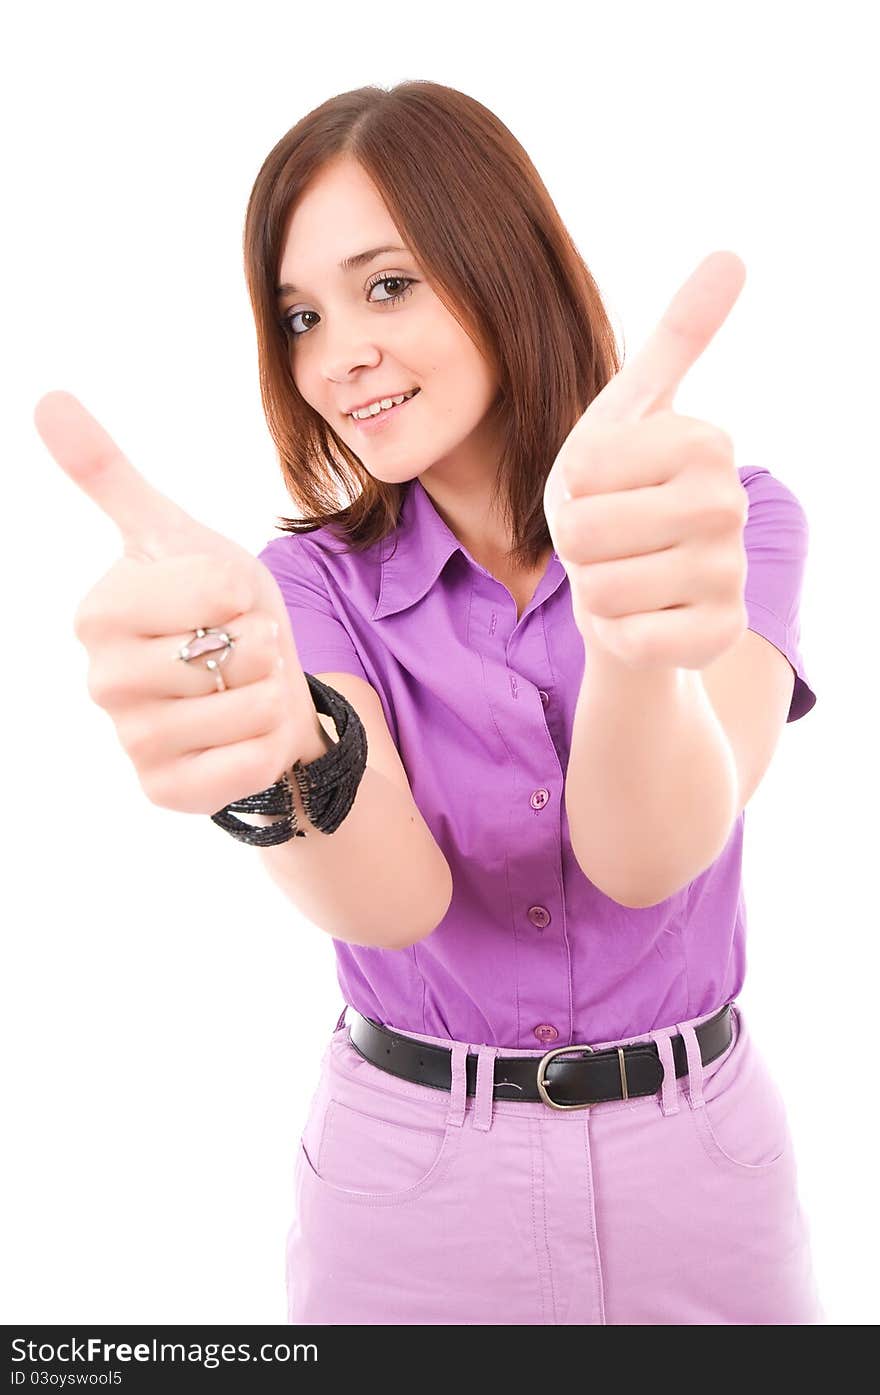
(545, 697)
(539, 915)
(546, 1032)
(539, 798)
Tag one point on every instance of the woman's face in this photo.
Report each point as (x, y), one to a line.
(351, 342)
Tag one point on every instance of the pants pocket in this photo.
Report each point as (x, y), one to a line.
(367, 1146)
(742, 1122)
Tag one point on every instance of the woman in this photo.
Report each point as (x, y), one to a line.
(541, 1103)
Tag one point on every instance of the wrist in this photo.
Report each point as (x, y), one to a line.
(315, 744)
(605, 673)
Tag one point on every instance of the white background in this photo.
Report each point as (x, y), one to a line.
(164, 1007)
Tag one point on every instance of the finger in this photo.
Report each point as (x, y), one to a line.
(216, 776)
(697, 311)
(604, 528)
(171, 595)
(144, 670)
(630, 585)
(654, 450)
(149, 522)
(167, 731)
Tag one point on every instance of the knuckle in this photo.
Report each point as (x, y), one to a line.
(171, 787)
(137, 736)
(590, 588)
(262, 641)
(577, 581)
(718, 442)
(85, 621)
(107, 687)
(157, 786)
(729, 576)
(268, 636)
(703, 435)
(735, 501)
(729, 573)
(734, 513)
(258, 771)
(565, 532)
(272, 701)
(237, 588)
(740, 505)
(725, 444)
(98, 686)
(626, 647)
(721, 512)
(708, 445)
(739, 566)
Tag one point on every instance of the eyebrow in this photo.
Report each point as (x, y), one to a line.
(347, 264)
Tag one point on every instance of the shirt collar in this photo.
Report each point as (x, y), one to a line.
(415, 554)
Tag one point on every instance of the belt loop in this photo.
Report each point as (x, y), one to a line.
(341, 1018)
(669, 1096)
(485, 1086)
(458, 1091)
(695, 1065)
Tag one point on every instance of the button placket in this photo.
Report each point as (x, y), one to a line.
(542, 956)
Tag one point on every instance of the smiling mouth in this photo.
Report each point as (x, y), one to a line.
(383, 412)
(406, 396)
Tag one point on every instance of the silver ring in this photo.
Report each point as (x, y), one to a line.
(206, 640)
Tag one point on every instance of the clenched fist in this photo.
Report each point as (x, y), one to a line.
(195, 749)
(645, 506)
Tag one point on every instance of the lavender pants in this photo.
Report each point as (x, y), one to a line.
(423, 1206)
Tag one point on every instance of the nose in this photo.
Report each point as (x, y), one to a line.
(346, 351)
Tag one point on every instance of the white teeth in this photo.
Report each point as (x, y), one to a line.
(382, 405)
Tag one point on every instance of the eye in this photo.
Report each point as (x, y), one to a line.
(390, 280)
(286, 321)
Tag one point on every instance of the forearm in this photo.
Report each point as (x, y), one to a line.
(651, 786)
(380, 880)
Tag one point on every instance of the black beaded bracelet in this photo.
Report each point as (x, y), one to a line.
(328, 784)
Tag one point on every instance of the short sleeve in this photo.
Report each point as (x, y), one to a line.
(323, 643)
(776, 539)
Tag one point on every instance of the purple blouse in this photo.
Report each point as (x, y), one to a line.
(481, 708)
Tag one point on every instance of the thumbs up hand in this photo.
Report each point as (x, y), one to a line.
(176, 575)
(645, 506)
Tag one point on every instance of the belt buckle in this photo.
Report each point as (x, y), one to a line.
(542, 1066)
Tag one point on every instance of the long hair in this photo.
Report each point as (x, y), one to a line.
(473, 209)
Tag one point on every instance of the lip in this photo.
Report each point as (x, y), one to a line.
(381, 419)
(368, 401)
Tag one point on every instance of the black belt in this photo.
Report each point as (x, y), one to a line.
(618, 1073)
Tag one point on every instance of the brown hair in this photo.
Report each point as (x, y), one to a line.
(472, 207)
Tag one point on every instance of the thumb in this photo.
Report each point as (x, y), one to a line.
(152, 525)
